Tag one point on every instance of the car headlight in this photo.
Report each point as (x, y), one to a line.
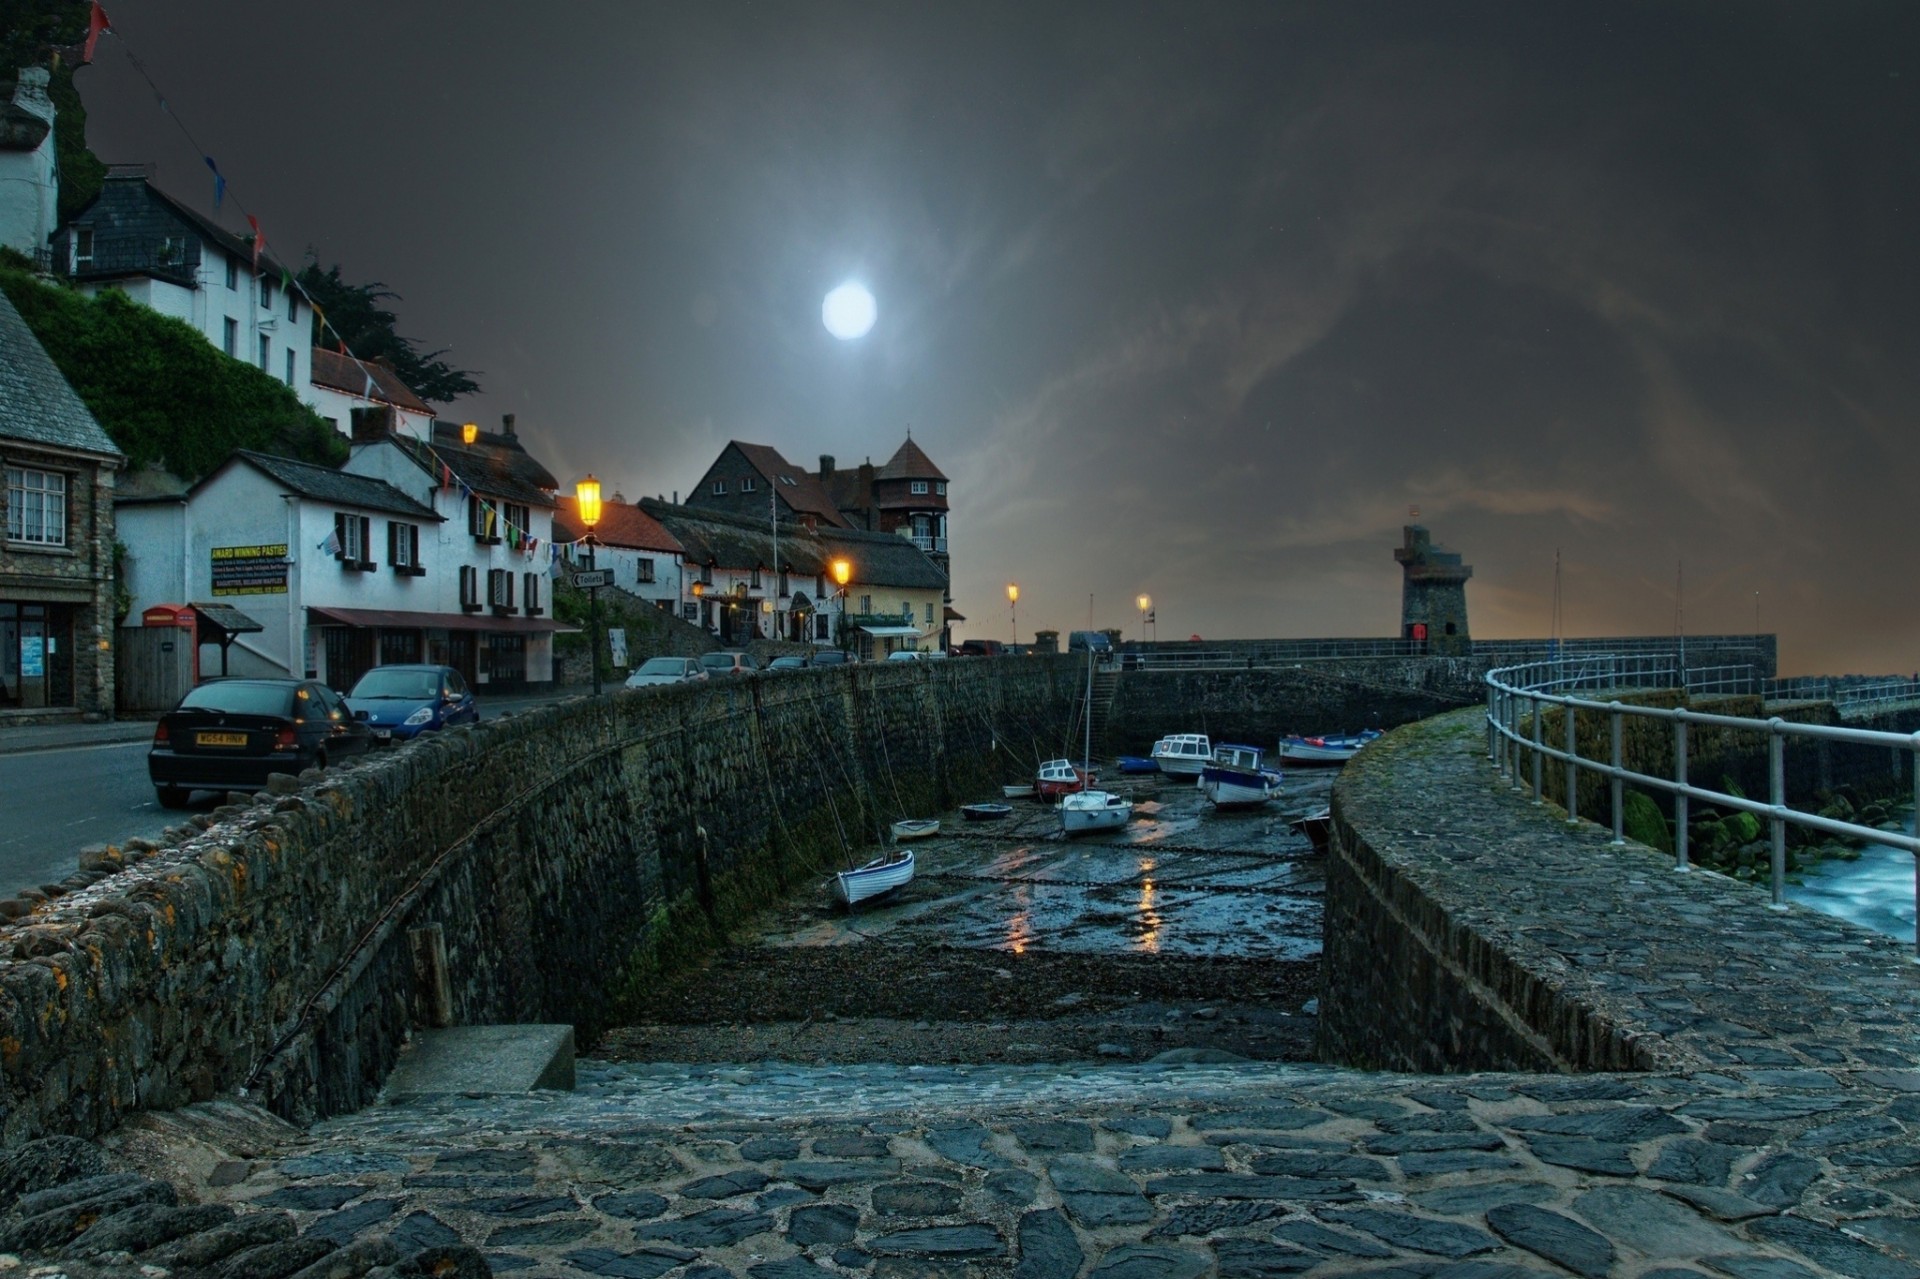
(422, 716)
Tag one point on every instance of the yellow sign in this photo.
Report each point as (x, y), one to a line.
(250, 570)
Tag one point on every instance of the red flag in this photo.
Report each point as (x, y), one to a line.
(446, 477)
(96, 23)
(259, 237)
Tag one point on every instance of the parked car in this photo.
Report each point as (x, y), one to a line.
(834, 657)
(232, 734)
(731, 662)
(981, 648)
(1096, 642)
(789, 662)
(406, 699)
(905, 655)
(666, 670)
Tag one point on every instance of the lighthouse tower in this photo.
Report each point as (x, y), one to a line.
(1433, 595)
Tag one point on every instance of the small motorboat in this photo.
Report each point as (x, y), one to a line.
(881, 875)
(1093, 810)
(1183, 754)
(1317, 827)
(985, 812)
(1138, 764)
(1334, 749)
(1059, 777)
(1236, 779)
(1018, 791)
(915, 828)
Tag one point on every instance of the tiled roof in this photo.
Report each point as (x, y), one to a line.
(797, 486)
(344, 373)
(37, 404)
(909, 463)
(729, 541)
(493, 465)
(324, 484)
(239, 245)
(883, 559)
(507, 455)
(621, 524)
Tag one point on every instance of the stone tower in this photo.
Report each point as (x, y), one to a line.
(1433, 596)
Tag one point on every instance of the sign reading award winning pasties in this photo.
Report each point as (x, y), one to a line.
(250, 570)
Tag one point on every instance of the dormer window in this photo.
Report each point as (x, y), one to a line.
(82, 247)
(788, 479)
(173, 250)
(719, 488)
(940, 487)
(919, 487)
(746, 484)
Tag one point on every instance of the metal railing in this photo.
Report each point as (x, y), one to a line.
(1517, 695)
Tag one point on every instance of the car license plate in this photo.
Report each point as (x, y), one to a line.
(220, 739)
(382, 734)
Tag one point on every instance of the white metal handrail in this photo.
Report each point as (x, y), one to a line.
(1517, 694)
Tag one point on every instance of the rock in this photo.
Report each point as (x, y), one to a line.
(450, 1261)
(273, 1260)
(1147, 1261)
(823, 1223)
(145, 1226)
(915, 1199)
(975, 1240)
(642, 1263)
(352, 1261)
(46, 1163)
(1652, 1224)
(714, 1228)
(1560, 1239)
(75, 1207)
(1252, 1259)
(635, 1205)
(1048, 1246)
(196, 1251)
(1422, 1234)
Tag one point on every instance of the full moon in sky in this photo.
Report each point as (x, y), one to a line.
(849, 311)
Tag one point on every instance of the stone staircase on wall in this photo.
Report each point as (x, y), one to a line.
(1106, 680)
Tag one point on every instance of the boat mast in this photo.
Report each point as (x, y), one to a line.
(1086, 755)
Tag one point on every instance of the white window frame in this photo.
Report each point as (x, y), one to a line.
(82, 247)
(746, 484)
(643, 569)
(919, 488)
(719, 488)
(50, 488)
(940, 487)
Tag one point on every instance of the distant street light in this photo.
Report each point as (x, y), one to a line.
(842, 570)
(586, 496)
(1013, 605)
(1145, 602)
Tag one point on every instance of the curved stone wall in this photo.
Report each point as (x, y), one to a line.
(567, 854)
(1467, 929)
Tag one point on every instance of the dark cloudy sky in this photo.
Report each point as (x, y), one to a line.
(1189, 299)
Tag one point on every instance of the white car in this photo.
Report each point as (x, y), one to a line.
(666, 670)
(905, 655)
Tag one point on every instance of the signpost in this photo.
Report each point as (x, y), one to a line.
(593, 579)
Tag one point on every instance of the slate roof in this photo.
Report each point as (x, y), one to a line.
(803, 493)
(729, 541)
(324, 484)
(909, 462)
(344, 373)
(621, 524)
(493, 466)
(37, 404)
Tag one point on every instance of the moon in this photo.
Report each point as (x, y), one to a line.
(848, 311)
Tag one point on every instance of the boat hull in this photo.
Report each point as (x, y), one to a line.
(1138, 764)
(985, 812)
(904, 831)
(1238, 788)
(1323, 750)
(1093, 811)
(1317, 827)
(1017, 792)
(881, 875)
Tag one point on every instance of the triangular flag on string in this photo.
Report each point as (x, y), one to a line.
(553, 560)
(446, 477)
(96, 24)
(331, 543)
(219, 182)
(259, 240)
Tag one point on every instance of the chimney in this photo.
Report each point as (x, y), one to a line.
(372, 425)
(676, 497)
(826, 467)
(30, 92)
(506, 425)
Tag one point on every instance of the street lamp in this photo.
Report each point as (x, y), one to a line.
(586, 497)
(842, 570)
(1013, 606)
(1145, 602)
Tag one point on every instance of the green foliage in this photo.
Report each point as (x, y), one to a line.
(1645, 824)
(30, 30)
(160, 389)
(356, 316)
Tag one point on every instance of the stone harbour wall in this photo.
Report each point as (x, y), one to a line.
(567, 854)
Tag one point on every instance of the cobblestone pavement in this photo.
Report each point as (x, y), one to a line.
(780, 1172)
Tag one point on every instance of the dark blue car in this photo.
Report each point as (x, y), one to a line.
(405, 699)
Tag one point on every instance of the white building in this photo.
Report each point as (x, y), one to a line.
(29, 175)
(342, 384)
(644, 558)
(136, 238)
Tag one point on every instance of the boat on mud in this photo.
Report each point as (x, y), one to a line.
(1237, 778)
(1332, 749)
(883, 874)
(1183, 754)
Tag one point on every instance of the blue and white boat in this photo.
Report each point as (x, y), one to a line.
(1234, 778)
(1336, 749)
(881, 875)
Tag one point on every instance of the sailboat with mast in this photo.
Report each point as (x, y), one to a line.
(1091, 810)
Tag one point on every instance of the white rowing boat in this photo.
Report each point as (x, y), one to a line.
(881, 875)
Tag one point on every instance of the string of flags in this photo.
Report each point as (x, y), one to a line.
(519, 538)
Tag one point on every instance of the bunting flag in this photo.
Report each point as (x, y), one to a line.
(97, 23)
(532, 544)
(553, 560)
(219, 182)
(490, 514)
(259, 240)
(331, 543)
(446, 478)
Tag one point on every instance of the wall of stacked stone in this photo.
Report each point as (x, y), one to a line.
(1259, 705)
(568, 854)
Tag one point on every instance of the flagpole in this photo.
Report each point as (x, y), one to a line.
(773, 514)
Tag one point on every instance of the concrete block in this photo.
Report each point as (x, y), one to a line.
(484, 1059)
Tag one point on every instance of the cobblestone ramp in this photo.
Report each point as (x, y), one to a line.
(782, 1172)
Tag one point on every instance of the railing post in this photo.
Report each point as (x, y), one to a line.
(1537, 758)
(1619, 786)
(1680, 814)
(1916, 808)
(1513, 741)
(1777, 786)
(1493, 700)
(1573, 769)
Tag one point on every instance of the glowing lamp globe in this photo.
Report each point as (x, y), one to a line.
(842, 571)
(587, 494)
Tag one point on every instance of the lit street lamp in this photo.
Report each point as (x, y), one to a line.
(842, 574)
(586, 495)
(1013, 607)
(1145, 602)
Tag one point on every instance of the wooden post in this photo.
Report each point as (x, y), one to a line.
(432, 988)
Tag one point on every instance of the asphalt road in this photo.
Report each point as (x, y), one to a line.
(55, 802)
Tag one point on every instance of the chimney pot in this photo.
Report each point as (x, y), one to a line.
(371, 425)
(826, 466)
(506, 425)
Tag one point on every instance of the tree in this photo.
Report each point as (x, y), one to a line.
(31, 31)
(355, 316)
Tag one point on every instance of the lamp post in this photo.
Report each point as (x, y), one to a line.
(1145, 602)
(586, 496)
(842, 574)
(1013, 607)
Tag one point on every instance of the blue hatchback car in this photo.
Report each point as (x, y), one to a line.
(403, 700)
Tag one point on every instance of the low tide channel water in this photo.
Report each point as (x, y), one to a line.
(1875, 891)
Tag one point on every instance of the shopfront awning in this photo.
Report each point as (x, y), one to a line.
(890, 632)
(395, 619)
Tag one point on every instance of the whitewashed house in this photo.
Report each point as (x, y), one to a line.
(136, 238)
(342, 384)
(29, 174)
(644, 557)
